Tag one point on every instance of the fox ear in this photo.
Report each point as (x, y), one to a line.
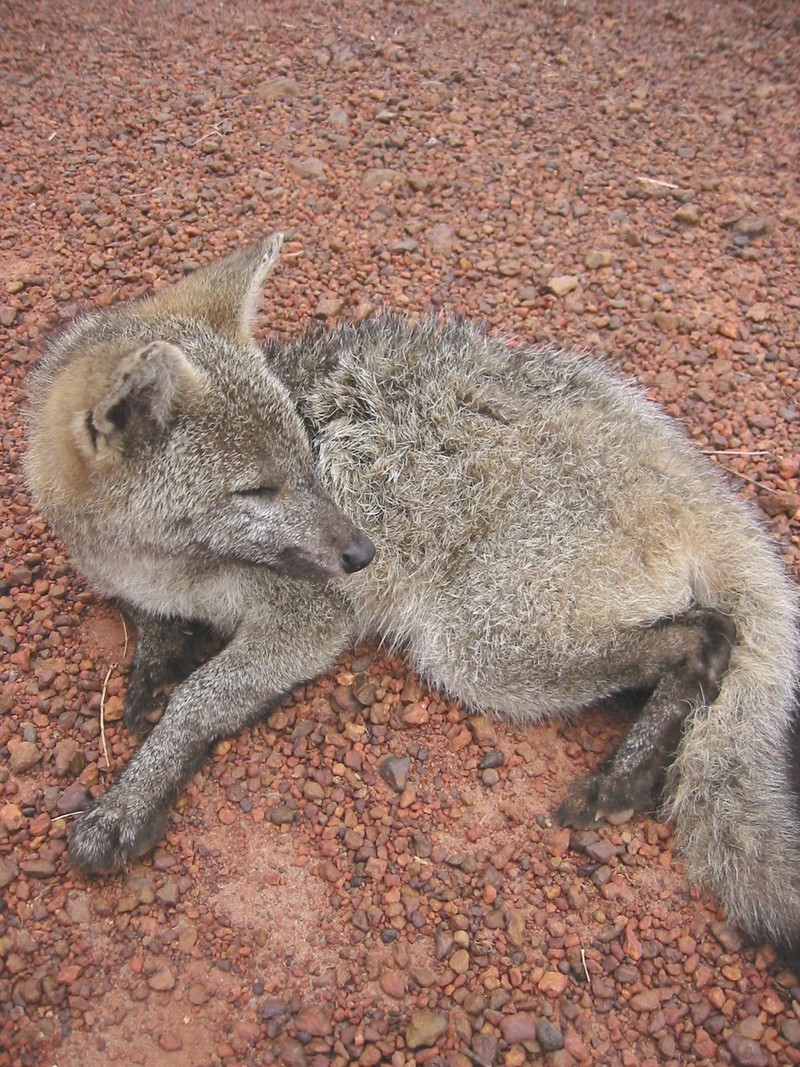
(224, 294)
(143, 387)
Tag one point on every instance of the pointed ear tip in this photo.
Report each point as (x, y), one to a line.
(272, 244)
(158, 348)
(160, 352)
(268, 250)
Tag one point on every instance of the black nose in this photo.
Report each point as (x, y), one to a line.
(358, 555)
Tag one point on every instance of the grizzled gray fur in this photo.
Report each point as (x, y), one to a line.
(543, 537)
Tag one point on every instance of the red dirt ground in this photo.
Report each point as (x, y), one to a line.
(465, 155)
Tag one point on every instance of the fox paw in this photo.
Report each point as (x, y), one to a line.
(605, 797)
(139, 704)
(108, 834)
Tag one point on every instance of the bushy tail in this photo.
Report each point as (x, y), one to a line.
(734, 790)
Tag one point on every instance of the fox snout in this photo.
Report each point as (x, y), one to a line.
(329, 549)
(358, 555)
(326, 563)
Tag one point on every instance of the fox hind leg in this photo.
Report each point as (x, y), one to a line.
(684, 660)
(165, 653)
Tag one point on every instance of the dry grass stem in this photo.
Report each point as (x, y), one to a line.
(656, 181)
(753, 481)
(736, 452)
(103, 714)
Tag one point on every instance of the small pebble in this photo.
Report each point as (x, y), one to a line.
(519, 1027)
(549, 1036)
(425, 1029)
(563, 284)
(24, 757)
(395, 771)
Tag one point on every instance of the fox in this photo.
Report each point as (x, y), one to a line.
(535, 532)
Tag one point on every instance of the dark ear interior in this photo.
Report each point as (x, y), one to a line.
(120, 413)
(144, 387)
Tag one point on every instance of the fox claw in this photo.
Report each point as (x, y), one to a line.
(600, 797)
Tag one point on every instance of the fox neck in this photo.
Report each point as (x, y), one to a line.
(172, 586)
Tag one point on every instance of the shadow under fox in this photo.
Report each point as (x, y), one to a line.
(543, 537)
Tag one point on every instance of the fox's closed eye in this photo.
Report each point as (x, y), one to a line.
(262, 492)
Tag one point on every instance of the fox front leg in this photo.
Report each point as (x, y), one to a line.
(267, 656)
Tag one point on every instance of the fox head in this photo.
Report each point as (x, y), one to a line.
(159, 426)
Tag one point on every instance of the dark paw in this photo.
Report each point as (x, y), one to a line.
(606, 797)
(139, 705)
(726, 627)
(718, 639)
(790, 952)
(110, 832)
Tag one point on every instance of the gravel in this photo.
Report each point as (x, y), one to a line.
(371, 876)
